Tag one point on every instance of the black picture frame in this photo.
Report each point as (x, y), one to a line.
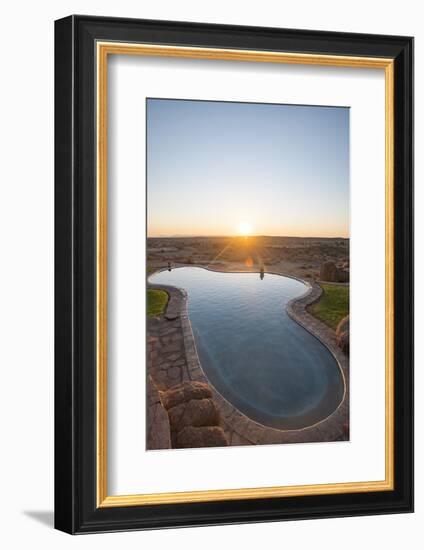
(76, 510)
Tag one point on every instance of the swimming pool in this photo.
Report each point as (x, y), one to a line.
(258, 358)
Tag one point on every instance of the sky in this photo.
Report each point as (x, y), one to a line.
(226, 168)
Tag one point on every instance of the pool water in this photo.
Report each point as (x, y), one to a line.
(252, 352)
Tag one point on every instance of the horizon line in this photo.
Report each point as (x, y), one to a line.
(192, 236)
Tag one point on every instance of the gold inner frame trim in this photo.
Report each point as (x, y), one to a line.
(103, 50)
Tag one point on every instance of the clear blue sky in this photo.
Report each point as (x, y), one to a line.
(275, 169)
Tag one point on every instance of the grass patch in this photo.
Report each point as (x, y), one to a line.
(156, 302)
(333, 304)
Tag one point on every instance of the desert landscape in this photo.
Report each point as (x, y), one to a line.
(302, 257)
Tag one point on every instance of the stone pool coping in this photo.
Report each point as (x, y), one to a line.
(239, 428)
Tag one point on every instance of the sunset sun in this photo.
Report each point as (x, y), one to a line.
(245, 229)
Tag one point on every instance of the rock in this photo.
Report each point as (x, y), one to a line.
(192, 437)
(194, 418)
(343, 342)
(328, 271)
(185, 392)
(196, 412)
(343, 326)
(333, 274)
(342, 335)
(343, 275)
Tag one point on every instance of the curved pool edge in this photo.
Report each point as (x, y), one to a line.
(297, 311)
(240, 427)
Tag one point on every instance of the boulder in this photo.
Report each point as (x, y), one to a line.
(343, 326)
(343, 275)
(206, 436)
(342, 335)
(196, 412)
(185, 392)
(194, 418)
(328, 272)
(343, 342)
(333, 274)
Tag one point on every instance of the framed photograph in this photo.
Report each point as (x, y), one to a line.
(234, 274)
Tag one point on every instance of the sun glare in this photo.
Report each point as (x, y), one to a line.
(245, 229)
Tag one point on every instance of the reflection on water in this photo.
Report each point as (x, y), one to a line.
(259, 359)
